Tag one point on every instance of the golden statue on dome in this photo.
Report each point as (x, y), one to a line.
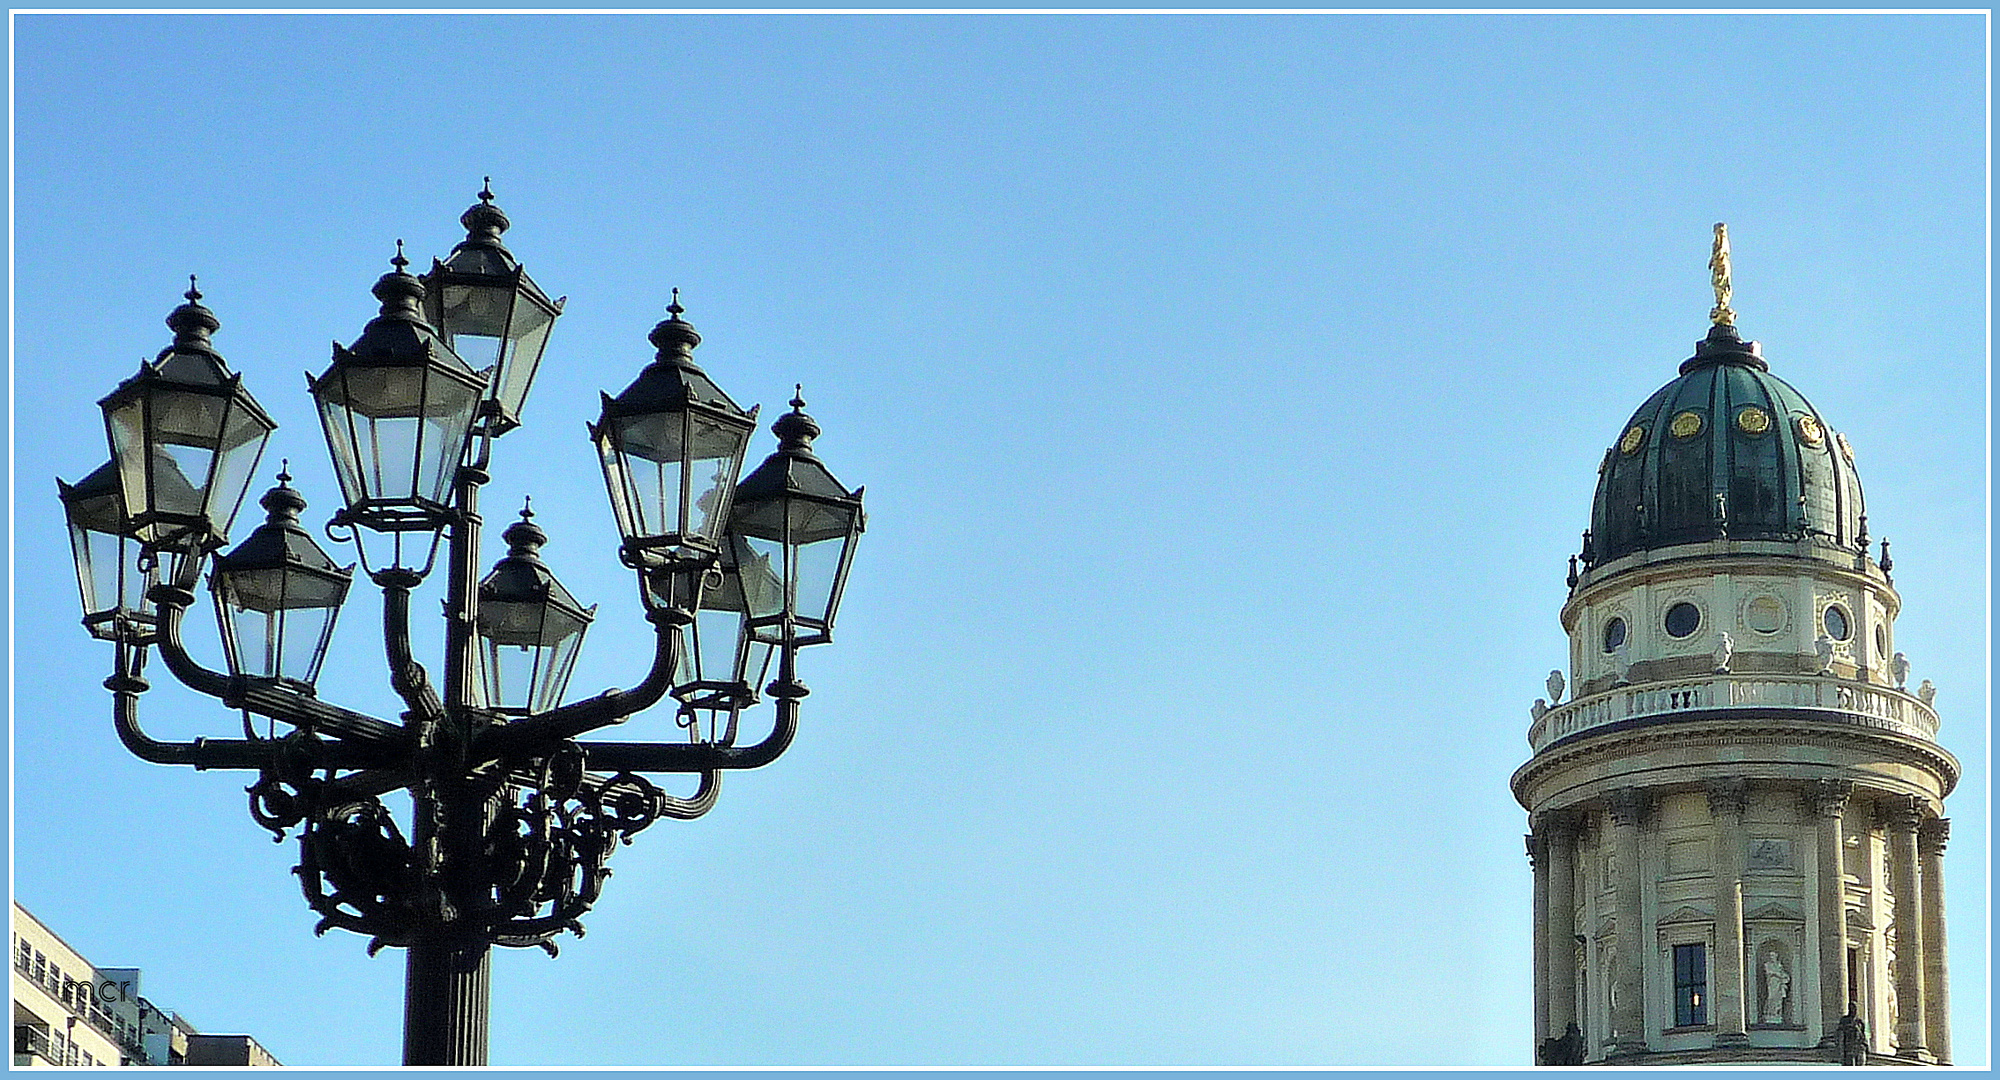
(1718, 275)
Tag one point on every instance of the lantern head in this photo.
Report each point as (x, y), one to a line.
(671, 446)
(277, 595)
(532, 627)
(489, 312)
(108, 573)
(397, 407)
(721, 664)
(793, 529)
(186, 437)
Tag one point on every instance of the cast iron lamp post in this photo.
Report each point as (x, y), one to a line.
(514, 814)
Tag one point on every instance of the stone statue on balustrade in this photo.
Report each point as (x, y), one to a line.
(1899, 670)
(1555, 685)
(1566, 1049)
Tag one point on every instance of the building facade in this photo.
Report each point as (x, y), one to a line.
(1736, 818)
(68, 1012)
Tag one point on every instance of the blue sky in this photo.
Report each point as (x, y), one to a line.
(1228, 392)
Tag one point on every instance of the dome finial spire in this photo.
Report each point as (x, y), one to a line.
(1718, 276)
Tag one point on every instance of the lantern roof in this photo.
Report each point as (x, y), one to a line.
(281, 542)
(399, 336)
(96, 502)
(522, 577)
(482, 254)
(673, 380)
(793, 471)
(191, 362)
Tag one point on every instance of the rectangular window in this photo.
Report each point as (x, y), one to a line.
(1690, 985)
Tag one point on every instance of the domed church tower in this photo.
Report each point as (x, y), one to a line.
(1737, 814)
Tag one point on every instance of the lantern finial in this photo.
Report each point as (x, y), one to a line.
(795, 430)
(674, 336)
(483, 221)
(399, 291)
(192, 324)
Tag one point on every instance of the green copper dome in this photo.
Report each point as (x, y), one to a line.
(1727, 450)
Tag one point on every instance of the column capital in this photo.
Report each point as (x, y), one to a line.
(1932, 835)
(1557, 825)
(1900, 813)
(1537, 849)
(1829, 797)
(1727, 798)
(1628, 806)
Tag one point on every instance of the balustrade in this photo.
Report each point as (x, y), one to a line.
(1868, 706)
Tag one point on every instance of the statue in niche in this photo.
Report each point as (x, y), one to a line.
(1776, 981)
(1555, 685)
(1853, 1033)
(1823, 648)
(1926, 692)
(1725, 647)
(1899, 670)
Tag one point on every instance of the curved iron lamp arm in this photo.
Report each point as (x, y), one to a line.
(611, 707)
(259, 696)
(641, 757)
(406, 676)
(127, 685)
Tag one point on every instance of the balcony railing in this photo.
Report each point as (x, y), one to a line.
(1842, 701)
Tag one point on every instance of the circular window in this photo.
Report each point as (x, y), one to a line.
(1753, 420)
(1836, 622)
(1614, 635)
(1686, 424)
(1881, 639)
(1683, 619)
(1765, 614)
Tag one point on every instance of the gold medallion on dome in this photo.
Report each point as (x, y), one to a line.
(1810, 432)
(1635, 437)
(1685, 424)
(1753, 420)
(1846, 450)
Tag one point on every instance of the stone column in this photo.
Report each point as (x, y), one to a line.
(1628, 1016)
(1829, 803)
(1538, 861)
(1902, 814)
(1725, 807)
(1561, 959)
(1931, 837)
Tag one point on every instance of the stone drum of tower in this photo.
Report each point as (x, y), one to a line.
(1736, 816)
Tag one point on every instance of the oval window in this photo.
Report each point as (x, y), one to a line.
(1836, 622)
(1683, 619)
(1765, 614)
(1614, 635)
(1881, 639)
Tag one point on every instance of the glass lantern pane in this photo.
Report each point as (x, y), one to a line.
(818, 567)
(474, 319)
(242, 444)
(558, 661)
(511, 671)
(275, 642)
(760, 565)
(528, 335)
(449, 408)
(650, 462)
(96, 557)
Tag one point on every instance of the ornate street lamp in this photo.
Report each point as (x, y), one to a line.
(277, 595)
(489, 311)
(514, 814)
(670, 446)
(108, 574)
(532, 627)
(794, 528)
(186, 437)
(397, 407)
